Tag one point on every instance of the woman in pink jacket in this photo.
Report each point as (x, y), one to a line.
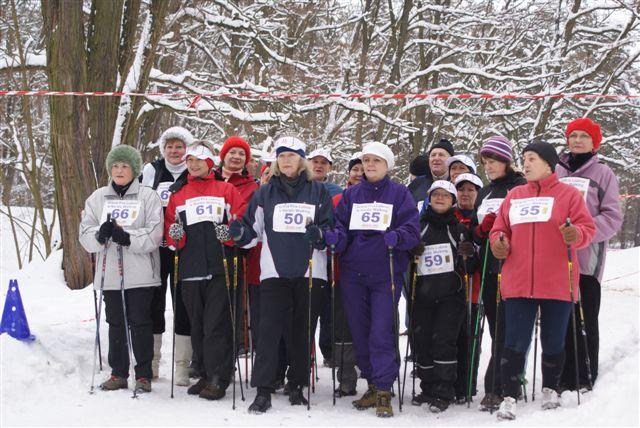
(531, 236)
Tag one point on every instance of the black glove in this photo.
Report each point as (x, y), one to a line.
(236, 230)
(417, 250)
(466, 249)
(121, 237)
(313, 233)
(105, 232)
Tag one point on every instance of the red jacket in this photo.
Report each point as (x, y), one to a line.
(537, 264)
(246, 185)
(467, 222)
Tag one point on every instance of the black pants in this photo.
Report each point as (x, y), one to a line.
(138, 302)
(207, 304)
(239, 288)
(158, 303)
(285, 301)
(465, 349)
(497, 342)
(325, 326)
(344, 358)
(590, 292)
(254, 313)
(436, 323)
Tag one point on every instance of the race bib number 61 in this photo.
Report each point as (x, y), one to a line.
(205, 208)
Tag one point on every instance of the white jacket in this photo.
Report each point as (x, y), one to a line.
(141, 260)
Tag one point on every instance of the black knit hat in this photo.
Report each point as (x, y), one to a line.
(353, 162)
(419, 166)
(443, 144)
(546, 151)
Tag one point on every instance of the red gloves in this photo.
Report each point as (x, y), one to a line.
(483, 229)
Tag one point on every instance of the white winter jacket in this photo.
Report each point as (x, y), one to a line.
(141, 259)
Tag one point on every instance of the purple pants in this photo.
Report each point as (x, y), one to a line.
(370, 311)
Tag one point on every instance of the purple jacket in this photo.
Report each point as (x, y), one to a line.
(364, 251)
(603, 202)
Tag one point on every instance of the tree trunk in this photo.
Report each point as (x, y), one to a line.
(73, 174)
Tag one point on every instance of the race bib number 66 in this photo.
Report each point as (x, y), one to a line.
(124, 212)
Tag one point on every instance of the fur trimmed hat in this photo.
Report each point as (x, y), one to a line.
(174, 133)
(125, 154)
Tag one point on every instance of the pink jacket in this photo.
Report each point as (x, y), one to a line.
(536, 266)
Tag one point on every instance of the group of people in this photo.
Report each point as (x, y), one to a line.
(291, 249)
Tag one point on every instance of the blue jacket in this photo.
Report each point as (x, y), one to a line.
(332, 188)
(364, 251)
(286, 254)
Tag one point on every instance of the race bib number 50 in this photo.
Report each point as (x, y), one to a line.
(374, 216)
(205, 208)
(124, 212)
(530, 210)
(292, 218)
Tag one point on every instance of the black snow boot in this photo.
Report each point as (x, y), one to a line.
(296, 396)
(552, 366)
(262, 402)
(511, 366)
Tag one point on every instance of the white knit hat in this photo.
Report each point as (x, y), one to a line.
(463, 159)
(174, 133)
(381, 150)
(471, 178)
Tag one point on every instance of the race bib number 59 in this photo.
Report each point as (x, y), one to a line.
(436, 259)
(374, 216)
(124, 212)
(292, 218)
(530, 210)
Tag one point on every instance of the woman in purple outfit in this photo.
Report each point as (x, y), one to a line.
(373, 217)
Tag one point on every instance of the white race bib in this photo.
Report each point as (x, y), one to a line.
(292, 218)
(489, 206)
(374, 216)
(436, 259)
(530, 210)
(204, 208)
(163, 192)
(582, 184)
(123, 211)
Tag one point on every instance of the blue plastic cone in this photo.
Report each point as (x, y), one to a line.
(14, 319)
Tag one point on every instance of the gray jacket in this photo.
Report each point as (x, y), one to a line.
(141, 260)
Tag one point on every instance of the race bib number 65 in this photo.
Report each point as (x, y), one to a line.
(124, 212)
(292, 218)
(530, 210)
(374, 216)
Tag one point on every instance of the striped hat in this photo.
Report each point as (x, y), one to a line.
(497, 146)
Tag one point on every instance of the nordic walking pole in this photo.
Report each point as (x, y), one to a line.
(469, 297)
(495, 334)
(333, 322)
(124, 311)
(96, 347)
(235, 311)
(222, 233)
(309, 221)
(95, 304)
(410, 338)
(245, 319)
(395, 321)
(476, 335)
(175, 297)
(583, 332)
(535, 355)
(573, 314)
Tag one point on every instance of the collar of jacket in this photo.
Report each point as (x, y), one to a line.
(378, 185)
(564, 161)
(277, 181)
(440, 220)
(510, 177)
(236, 178)
(132, 190)
(545, 183)
(211, 177)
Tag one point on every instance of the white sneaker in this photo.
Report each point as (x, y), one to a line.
(550, 399)
(507, 410)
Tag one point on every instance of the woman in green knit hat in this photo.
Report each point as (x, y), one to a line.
(129, 239)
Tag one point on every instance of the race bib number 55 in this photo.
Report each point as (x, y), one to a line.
(374, 216)
(292, 218)
(124, 212)
(530, 210)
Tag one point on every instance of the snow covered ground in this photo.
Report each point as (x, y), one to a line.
(46, 382)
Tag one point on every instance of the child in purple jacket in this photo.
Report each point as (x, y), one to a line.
(375, 219)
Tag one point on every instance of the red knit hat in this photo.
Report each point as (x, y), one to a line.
(232, 142)
(588, 126)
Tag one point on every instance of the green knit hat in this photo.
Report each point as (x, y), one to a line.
(126, 154)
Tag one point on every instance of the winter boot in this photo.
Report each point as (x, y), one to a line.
(438, 405)
(550, 399)
(490, 402)
(507, 410)
(552, 366)
(113, 383)
(511, 368)
(157, 346)
(143, 385)
(183, 357)
(212, 392)
(198, 387)
(296, 396)
(368, 400)
(262, 402)
(421, 398)
(383, 404)
(340, 392)
(346, 372)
